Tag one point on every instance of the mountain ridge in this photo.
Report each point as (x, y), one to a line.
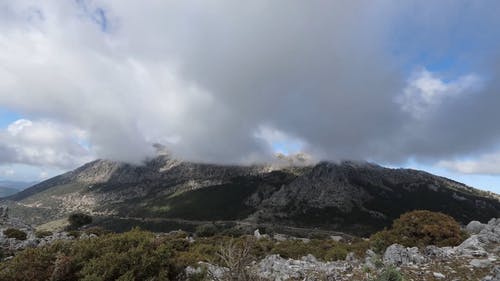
(357, 197)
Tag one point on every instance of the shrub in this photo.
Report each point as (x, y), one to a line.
(96, 230)
(390, 274)
(420, 228)
(77, 220)
(206, 230)
(15, 233)
(42, 233)
(74, 233)
(336, 253)
(135, 255)
(381, 240)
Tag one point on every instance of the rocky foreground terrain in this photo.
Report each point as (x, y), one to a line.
(10, 246)
(166, 194)
(477, 258)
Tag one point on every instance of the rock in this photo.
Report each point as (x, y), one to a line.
(398, 255)
(192, 271)
(473, 247)
(433, 252)
(438, 275)
(309, 258)
(474, 227)
(4, 212)
(351, 258)
(336, 238)
(491, 232)
(257, 234)
(214, 271)
(494, 274)
(279, 237)
(274, 267)
(370, 259)
(481, 263)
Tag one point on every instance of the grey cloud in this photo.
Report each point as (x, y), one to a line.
(209, 75)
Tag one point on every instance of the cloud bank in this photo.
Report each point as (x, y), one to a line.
(223, 82)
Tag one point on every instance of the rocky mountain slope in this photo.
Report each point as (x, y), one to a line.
(351, 197)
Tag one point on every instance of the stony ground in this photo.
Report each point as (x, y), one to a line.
(476, 259)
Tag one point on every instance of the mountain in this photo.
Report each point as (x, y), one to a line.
(165, 194)
(8, 188)
(7, 191)
(18, 185)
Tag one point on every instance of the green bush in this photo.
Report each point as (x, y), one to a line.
(206, 230)
(327, 250)
(420, 229)
(15, 233)
(135, 255)
(74, 233)
(390, 274)
(381, 240)
(42, 233)
(78, 220)
(96, 230)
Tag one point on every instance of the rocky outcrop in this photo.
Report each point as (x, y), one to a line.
(474, 227)
(398, 255)
(476, 245)
(276, 268)
(11, 245)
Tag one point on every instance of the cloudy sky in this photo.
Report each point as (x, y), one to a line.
(401, 83)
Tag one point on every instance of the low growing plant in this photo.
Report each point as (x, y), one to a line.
(15, 233)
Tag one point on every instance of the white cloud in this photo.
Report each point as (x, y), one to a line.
(43, 143)
(43, 175)
(202, 77)
(488, 164)
(8, 172)
(425, 92)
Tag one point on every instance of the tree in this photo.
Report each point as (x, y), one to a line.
(78, 220)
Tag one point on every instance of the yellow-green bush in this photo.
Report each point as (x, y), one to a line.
(420, 228)
(42, 233)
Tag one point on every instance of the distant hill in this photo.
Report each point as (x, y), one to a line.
(19, 185)
(8, 188)
(165, 193)
(7, 191)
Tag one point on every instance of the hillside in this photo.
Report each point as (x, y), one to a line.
(166, 194)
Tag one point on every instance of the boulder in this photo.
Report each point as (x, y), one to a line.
(491, 232)
(481, 263)
(434, 252)
(398, 255)
(274, 267)
(473, 246)
(474, 227)
(438, 275)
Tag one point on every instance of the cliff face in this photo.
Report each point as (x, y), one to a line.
(349, 196)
